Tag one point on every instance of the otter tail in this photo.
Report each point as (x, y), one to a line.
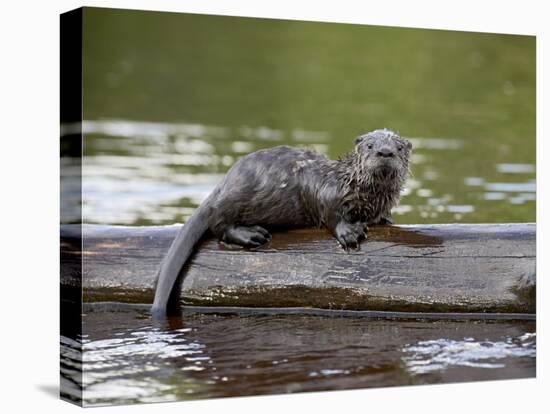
(177, 255)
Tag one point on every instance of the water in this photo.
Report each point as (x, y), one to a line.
(171, 101)
(129, 359)
(145, 173)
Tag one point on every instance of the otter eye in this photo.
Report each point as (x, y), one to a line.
(369, 146)
(399, 147)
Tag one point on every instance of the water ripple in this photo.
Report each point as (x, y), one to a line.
(441, 354)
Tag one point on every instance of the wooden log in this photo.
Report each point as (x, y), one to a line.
(451, 268)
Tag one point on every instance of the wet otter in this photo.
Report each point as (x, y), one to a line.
(295, 187)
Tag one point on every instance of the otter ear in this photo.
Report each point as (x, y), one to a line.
(409, 144)
(359, 139)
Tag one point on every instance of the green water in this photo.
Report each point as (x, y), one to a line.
(214, 88)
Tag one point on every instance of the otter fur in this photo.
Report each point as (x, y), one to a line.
(295, 187)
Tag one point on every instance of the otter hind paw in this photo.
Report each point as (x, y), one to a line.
(250, 237)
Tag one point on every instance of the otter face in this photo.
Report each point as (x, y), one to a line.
(384, 153)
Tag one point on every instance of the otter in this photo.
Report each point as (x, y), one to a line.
(291, 188)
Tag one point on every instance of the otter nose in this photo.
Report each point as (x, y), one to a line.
(385, 152)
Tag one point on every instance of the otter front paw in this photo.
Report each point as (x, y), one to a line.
(349, 235)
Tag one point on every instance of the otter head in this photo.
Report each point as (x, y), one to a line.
(383, 154)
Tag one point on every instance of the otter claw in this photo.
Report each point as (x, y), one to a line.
(349, 245)
(349, 235)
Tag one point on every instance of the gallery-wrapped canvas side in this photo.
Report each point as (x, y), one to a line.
(71, 205)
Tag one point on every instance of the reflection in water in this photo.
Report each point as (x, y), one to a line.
(512, 187)
(158, 172)
(70, 356)
(516, 168)
(128, 359)
(437, 143)
(113, 373)
(441, 354)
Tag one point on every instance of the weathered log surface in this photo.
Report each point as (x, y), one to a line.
(416, 268)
